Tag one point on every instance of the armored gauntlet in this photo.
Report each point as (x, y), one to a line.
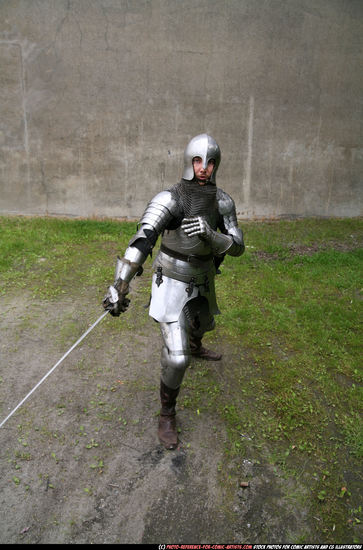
(127, 267)
(115, 300)
(219, 242)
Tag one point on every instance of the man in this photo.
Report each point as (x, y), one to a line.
(183, 299)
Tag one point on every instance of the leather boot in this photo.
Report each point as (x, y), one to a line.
(197, 350)
(167, 426)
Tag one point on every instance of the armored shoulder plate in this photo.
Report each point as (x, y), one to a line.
(160, 211)
(225, 203)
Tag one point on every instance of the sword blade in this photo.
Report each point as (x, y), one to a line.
(54, 367)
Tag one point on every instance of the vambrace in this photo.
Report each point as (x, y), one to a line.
(230, 243)
(237, 247)
(220, 243)
(227, 210)
(129, 266)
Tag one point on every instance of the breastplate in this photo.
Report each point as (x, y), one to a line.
(178, 240)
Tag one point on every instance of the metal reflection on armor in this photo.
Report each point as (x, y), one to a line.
(198, 226)
(184, 266)
(205, 147)
(160, 211)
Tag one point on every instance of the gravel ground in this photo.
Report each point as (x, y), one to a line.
(80, 460)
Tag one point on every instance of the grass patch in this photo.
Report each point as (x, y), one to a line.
(291, 325)
(295, 308)
(50, 255)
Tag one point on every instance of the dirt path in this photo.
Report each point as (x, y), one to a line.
(81, 462)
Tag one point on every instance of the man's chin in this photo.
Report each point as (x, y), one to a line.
(202, 182)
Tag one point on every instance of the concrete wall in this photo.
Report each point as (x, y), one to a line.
(98, 99)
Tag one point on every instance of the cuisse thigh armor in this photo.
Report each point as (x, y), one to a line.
(195, 319)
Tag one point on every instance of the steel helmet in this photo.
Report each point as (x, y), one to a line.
(205, 147)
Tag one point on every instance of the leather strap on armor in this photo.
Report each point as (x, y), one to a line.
(191, 258)
(198, 280)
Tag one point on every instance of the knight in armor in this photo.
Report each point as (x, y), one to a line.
(198, 227)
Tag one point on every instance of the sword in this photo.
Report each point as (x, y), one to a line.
(54, 367)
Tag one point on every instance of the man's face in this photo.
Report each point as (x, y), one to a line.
(203, 174)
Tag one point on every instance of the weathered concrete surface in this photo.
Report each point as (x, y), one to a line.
(99, 98)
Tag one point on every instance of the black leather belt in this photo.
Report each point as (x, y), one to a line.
(191, 258)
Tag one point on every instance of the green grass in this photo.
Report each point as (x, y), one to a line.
(48, 255)
(300, 320)
(292, 320)
(293, 305)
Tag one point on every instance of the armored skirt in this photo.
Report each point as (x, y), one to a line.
(177, 281)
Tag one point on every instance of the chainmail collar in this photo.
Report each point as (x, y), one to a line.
(195, 199)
